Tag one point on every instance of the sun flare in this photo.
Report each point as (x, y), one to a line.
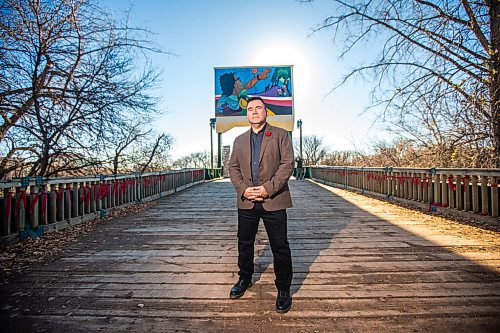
(277, 54)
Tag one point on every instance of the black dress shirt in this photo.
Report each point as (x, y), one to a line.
(255, 144)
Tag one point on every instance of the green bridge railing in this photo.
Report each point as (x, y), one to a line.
(467, 190)
(32, 206)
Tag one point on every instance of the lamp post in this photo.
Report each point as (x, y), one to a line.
(219, 152)
(212, 127)
(299, 126)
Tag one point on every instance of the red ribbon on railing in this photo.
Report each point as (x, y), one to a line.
(124, 185)
(59, 194)
(377, 177)
(103, 190)
(22, 198)
(87, 196)
(82, 196)
(450, 183)
(33, 203)
(70, 195)
(340, 173)
(8, 205)
(44, 205)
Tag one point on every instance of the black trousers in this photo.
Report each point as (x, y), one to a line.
(276, 228)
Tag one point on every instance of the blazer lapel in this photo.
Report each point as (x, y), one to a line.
(247, 152)
(265, 140)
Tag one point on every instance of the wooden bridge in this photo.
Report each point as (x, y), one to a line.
(360, 265)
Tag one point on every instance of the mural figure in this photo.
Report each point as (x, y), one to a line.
(234, 92)
(235, 85)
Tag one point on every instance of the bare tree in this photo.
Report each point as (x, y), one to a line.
(122, 141)
(193, 160)
(313, 150)
(152, 154)
(399, 153)
(438, 60)
(69, 78)
(340, 158)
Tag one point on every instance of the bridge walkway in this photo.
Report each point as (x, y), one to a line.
(360, 264)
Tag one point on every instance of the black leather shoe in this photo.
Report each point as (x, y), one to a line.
(239, 288)
(283, 301)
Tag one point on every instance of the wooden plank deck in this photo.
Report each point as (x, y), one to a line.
(360, 265)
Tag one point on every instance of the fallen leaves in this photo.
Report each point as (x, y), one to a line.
(17, 257)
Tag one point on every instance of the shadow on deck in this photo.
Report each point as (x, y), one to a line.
(359, 265)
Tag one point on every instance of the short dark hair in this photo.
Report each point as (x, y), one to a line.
(227, 84)
(256, 98)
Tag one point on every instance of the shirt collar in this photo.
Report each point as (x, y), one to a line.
(261, 130)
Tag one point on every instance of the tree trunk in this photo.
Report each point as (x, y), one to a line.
(153, 152)
(115, 164)
(495, 78)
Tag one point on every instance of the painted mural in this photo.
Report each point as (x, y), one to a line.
(233, 86)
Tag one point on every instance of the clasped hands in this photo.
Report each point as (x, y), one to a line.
(256, 193)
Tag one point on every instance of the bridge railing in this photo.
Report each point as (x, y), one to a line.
(468, 190)
(214, 173)
(32, 206)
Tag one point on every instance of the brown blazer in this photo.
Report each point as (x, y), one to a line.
(276, 167)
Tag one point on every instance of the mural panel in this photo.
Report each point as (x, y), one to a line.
(234, 85)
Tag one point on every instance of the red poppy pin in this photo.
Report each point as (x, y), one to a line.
(268, 133)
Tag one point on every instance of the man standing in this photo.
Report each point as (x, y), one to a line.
(261, 164)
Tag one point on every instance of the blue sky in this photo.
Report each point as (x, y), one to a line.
(207, 34)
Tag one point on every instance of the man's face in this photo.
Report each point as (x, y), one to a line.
(256, 112)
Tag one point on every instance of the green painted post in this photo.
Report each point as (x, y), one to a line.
(212, 127)
(219, 151)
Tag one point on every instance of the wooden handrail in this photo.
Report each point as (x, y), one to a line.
(33, 206)
(468, 190)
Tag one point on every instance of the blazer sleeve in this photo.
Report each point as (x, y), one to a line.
(235, 175)
(285, 168)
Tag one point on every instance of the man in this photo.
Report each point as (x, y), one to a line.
(300, 169)
(261, 164)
